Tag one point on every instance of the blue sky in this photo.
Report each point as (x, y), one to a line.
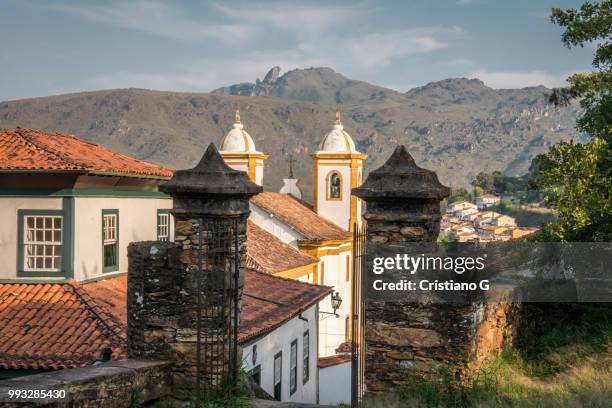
(53, 47)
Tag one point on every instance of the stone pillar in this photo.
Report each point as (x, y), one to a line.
(403, 201)
(179, 301)
(402, 207)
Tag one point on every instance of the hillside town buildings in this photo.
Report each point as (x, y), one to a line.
(464, 220)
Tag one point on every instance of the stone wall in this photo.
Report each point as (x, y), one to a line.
(418, 332)
(115, 384)
(412, 338)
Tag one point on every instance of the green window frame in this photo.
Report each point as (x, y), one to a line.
(44, 242)
(277, 372)
(110, 241)
(305, 357)
(293, 367)
(255, 374)
(163, 225)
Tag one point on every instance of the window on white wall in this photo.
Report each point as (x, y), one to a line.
(42, 243)
(278, 376)
(110, 240)
(163, 226)
(348, 268)
(334, 186)
(306, 357)
(293, 367)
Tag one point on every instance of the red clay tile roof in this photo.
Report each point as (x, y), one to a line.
(51, 326)
(268, 301)
(294, 213)
(266, 253)
(330, 361)
(112, 294)
(54, 326)
(345, 347)
(26, 149)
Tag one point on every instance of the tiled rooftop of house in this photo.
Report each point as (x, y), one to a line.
(331, 361)
(269, 301)
(24, 149)
(54, 326)
(266, 253)
(51, 326)
(304, 220)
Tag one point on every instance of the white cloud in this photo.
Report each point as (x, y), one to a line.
(318, 35)
(379, 49)
(156, 18)
(303, 20)
(520, 79)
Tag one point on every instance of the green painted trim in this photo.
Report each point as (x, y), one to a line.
(33, 281)
(68, 250)
(294, 389)
(255, 370)
(81, 192)
(112, 268)
(304, 357)
(163, 211)
(110, 275)
(92, 173)
(67, 232)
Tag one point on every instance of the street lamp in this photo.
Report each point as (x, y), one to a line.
(336, 301)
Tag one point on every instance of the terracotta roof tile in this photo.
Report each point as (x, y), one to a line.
(27, 149)
(296, 214)
(266, 253)
(54, 326)
(330, 361)
(269, 301)
(73, 322)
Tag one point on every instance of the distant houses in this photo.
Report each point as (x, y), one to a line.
(473, 222)
(487, 200)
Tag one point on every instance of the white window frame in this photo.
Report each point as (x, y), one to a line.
(43, 238)
(163, 229)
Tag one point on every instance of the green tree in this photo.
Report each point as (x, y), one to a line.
(459, 194)
(578, 177)
(478, 191)
(485, 181)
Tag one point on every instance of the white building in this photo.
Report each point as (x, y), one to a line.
(487, 200)
(459, 206)
(69, 208)
(322, 232)
(278, 335)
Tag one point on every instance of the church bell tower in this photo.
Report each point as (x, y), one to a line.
(338, 168)
(239, 152)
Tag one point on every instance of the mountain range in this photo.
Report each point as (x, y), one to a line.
(457, 127)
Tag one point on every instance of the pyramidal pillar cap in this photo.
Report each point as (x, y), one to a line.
(211, 180)
(401, 178)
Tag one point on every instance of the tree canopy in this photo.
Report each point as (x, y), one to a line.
(578, 177)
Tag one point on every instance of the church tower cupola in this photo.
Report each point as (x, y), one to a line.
(239, 152)
(338, 168)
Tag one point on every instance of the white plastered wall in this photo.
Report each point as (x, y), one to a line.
(137, 222)
(8, 227)
(335, 384)
(279, 229)
(280, 340)
(332, 330)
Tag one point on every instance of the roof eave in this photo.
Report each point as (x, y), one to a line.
(87, 172)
